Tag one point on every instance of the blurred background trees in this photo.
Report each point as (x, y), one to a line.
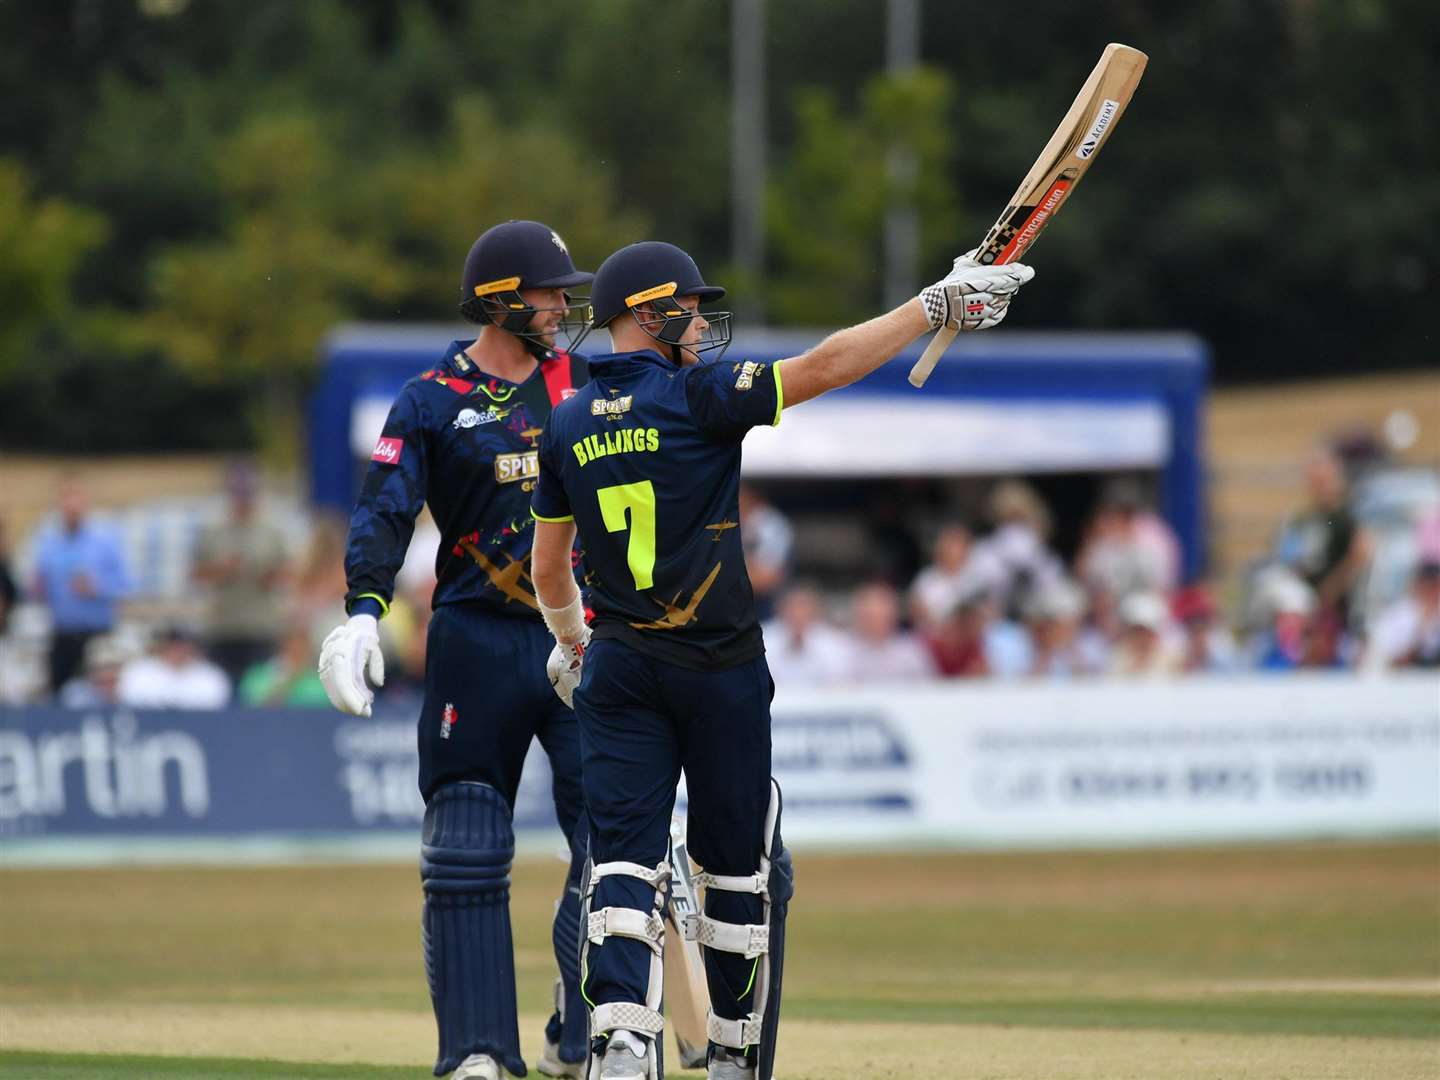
(192, 194)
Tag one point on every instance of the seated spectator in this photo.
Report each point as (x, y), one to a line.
(1147, 646)
(1014, 558)
(879, 649)
(1061, 645)
(1207, 645)
(1129, 549)
(767, 538)
(802, 649)
(1284, 603)
(242, 563)
(952, 576)
(957, 641)
(98, 686)
(288, 678)
(175, 676)
(1407, 633)
(1324, 544)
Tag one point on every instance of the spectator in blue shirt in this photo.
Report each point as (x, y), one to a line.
(79, 574)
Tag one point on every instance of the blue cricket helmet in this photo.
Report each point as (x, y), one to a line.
(641, 277)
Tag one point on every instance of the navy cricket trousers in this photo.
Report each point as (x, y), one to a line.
(642, 721)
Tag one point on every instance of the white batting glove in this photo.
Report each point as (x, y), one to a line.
(349, 653)
(564, 666)
(971, 296)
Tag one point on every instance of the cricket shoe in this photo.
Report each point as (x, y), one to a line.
(627, 1057)
(727, 1064)
(477, 1067)
(551, 1065)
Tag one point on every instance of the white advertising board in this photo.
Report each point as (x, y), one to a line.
(1110, 763)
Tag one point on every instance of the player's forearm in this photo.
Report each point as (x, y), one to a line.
(852, 353)
(550, 564)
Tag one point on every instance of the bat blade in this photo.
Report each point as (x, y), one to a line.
(687, 995)
(1068, 155)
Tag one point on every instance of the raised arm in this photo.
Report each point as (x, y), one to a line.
(970, 297)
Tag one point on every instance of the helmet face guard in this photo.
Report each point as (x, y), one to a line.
(656, 312)
(499, 304)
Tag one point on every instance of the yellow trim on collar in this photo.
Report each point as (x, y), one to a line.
(668, 289)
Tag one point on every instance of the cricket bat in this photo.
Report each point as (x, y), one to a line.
(687, 995)
(1065, 159)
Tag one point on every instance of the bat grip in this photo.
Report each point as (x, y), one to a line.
(926, 364)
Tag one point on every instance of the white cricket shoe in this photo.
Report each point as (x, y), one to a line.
(477, 1067)
(627, 1057)
(727, 1064)
(551, 1065)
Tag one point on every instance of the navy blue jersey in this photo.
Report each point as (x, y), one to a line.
(466, 444)
(646, 460)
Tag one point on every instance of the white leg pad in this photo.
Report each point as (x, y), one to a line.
(736, 1034)
(748, 939)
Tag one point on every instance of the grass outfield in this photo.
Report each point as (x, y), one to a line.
(1265, 962)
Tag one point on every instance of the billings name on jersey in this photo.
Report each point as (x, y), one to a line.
(646, 461)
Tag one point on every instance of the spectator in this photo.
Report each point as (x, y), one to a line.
(767, 539)
(879, 649)
(242, 559)
(1061, 647)
(287, 678)
(9, 591)
(79, 574)
(175, 676)
(802, 649)
(1323, 543)
(952, 576)
(1285, 604)
(1129, 549)
(957, 641)
(1146, 648)
(318, 591)
(1206, 645)
(1407, 633)
(1014, 557)
(99, 686)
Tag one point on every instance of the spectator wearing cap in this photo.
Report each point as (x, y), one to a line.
(1147, 647)
(1284, 604)
(1324, 544)
(80, 575)
(175, 675)
(1061, 645)
(98, 687)
(243, 561)
(1207, 645)
(801, 648)
(1407, 633)
(879, 649)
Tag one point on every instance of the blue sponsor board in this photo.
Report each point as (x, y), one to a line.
(238, 771)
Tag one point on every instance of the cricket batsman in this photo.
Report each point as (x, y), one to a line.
(462, 437)
(644, 464)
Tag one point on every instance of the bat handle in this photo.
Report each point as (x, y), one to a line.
(926, 364)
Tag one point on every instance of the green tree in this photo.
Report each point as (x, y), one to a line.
(826, 202)
(42, 243)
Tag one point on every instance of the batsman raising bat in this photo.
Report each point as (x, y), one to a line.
(644, 462)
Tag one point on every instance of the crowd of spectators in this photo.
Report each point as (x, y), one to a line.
(995, 600)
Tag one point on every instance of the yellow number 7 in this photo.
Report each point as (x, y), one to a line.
(639, 500)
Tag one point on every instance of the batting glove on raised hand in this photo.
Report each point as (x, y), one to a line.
(971, 296)
(564, 666)
(349, 653)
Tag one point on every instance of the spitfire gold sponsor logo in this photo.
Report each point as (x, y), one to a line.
(623, 441)
(524, 465)
(749, 372)
(612, 409)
